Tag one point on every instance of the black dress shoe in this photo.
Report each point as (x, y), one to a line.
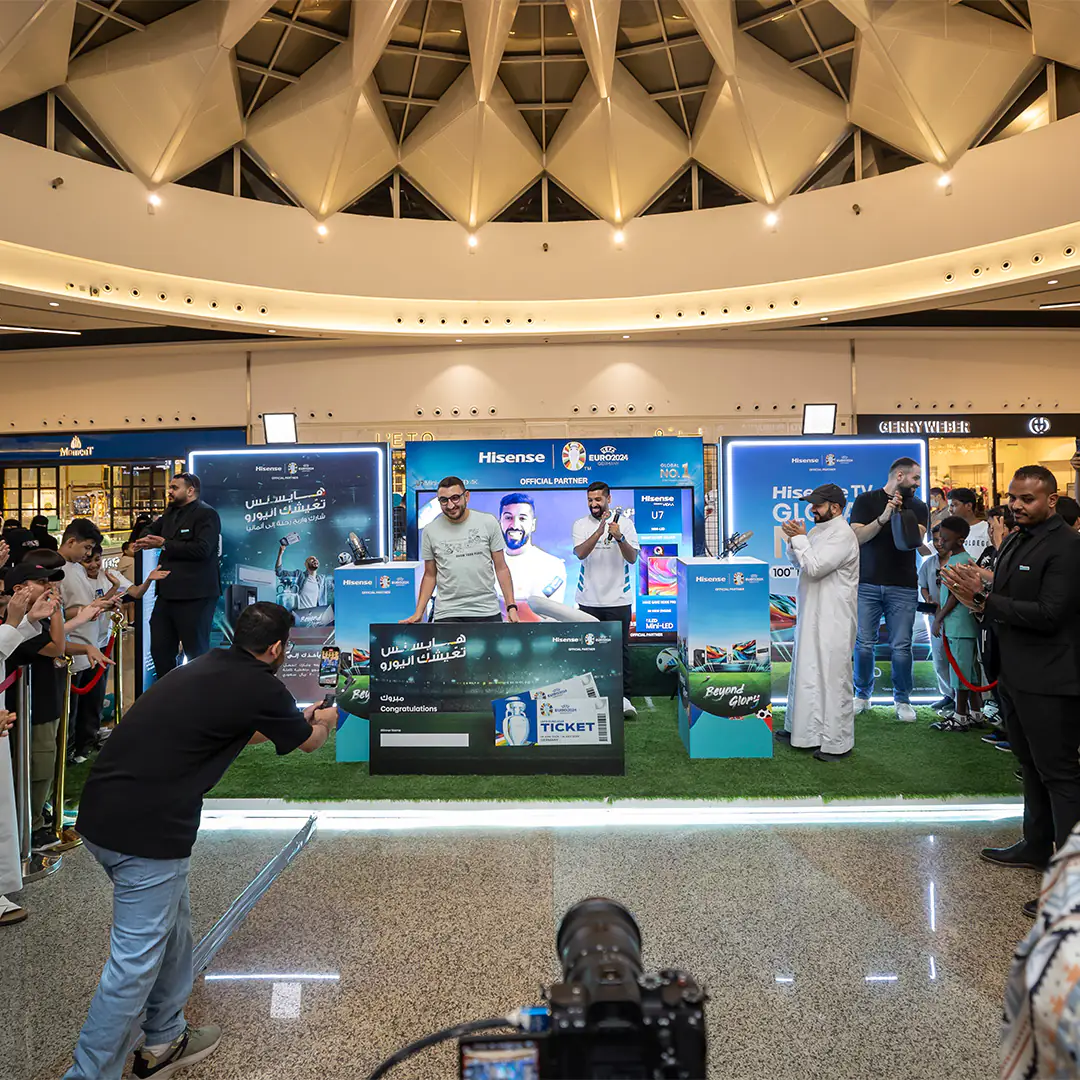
(821, 755)
(783, 735)
(1018, 856)
(1031, 908)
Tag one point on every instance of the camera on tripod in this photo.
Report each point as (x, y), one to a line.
(607, 1018)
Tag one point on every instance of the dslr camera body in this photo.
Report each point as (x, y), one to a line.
(608, 1018)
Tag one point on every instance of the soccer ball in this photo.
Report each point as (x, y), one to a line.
(667, 659)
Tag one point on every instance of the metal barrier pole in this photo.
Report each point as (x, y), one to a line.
(67, 838)
(119, 626)
(33, 866)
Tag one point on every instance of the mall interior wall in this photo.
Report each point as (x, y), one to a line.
(750, 385)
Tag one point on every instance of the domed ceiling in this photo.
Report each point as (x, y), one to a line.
(531, 109)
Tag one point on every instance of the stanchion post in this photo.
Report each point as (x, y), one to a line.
(22, 765)
(67, 838)
(118, 665)
(33, 866)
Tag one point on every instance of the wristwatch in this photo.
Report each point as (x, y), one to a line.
(509, 606)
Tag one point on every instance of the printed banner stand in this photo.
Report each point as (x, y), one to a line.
(497, 698)
(378, 593)
(725, 683)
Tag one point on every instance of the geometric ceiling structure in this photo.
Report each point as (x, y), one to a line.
(166, 100)
(929, 76)
(532, 109)
(34, 41)
(326, 138)
(764, 126)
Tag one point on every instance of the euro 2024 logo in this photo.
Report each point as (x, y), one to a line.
(830, 459)
(739, 578)
(573, 456)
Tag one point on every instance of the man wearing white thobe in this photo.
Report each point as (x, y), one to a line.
(19, 626)
(821, 706)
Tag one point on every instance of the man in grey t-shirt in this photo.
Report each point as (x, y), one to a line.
(462, 551)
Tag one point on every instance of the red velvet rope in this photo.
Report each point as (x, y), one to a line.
(80, 690)
(959, 673)
(9, 682)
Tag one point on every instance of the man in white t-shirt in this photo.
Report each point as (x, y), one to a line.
(962, 503)
(607, 545)
(535, 572)
(85, 582)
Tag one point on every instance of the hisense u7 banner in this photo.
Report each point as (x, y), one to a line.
(656, 483)
(763, 480)
(289, 517)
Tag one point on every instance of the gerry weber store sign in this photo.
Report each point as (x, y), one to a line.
(974, 425)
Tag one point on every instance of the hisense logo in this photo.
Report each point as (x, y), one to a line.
(490, 457)
(76, 449)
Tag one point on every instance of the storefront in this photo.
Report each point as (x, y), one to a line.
(108, 476)
(982, 450)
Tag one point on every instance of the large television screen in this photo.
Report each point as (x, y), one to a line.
(542, 562)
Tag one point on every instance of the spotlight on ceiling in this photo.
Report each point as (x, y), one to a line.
(279, 427)
(619, 236)
(772, 219)
(321, 229)
(1052, 281)
(819, 419)
(472, 240)
(154, 199)
(944, 180)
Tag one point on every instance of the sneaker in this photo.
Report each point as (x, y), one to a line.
(628, 710)
(945, 705)
(10, 912)
(995, 736)
(991, 711)
(1003, 746)
(1031, 909)
(1019, 774)
(79, 759)
(43, 840)
(192, 1047)
(950, 723)
(945, 714)
(905, 712)
(862, 705)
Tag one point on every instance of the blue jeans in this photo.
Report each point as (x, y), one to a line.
(149, 965)
(897, 604)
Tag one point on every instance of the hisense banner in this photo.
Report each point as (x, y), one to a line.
(763, 481)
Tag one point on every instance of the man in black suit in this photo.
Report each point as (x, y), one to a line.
(1033, 605)
(188, 535)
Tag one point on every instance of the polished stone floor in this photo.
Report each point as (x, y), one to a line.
(828, 951)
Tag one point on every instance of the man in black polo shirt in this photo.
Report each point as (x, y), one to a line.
(139, 815)
(188, 535)
(890, 524)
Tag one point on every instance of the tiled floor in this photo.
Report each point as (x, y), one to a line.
(828, 951)
(49, 965)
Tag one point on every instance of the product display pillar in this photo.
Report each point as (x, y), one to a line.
(725, 681)
(375, 593)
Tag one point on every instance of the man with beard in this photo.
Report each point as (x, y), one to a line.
(464, 554)
(607, 549)
(188, 536)
(535, 572)
(305, 588)
(890, 524)
(139, 816)
(821, 710)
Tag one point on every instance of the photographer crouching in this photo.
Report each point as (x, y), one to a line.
(139, 816)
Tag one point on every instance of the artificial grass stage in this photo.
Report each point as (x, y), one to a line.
(890, 758)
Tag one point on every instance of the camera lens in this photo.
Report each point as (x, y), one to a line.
(599, 944)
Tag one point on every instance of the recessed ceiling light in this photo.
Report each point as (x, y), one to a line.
(321, 229)
(53, 303)
(619, 236)
(626, 337)
(154, 199)
(772, 218)
(1052, 281)
(271, 331)
(457, 341)
(824, 318)
(944, 180)
(472, 240)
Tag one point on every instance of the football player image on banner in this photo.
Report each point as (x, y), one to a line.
(535, 572)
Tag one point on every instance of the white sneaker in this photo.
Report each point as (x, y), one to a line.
(628, 707)
(862, 705)
(905, 712)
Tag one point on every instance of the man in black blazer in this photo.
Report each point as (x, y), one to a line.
(188, 535)
(1033, 605)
